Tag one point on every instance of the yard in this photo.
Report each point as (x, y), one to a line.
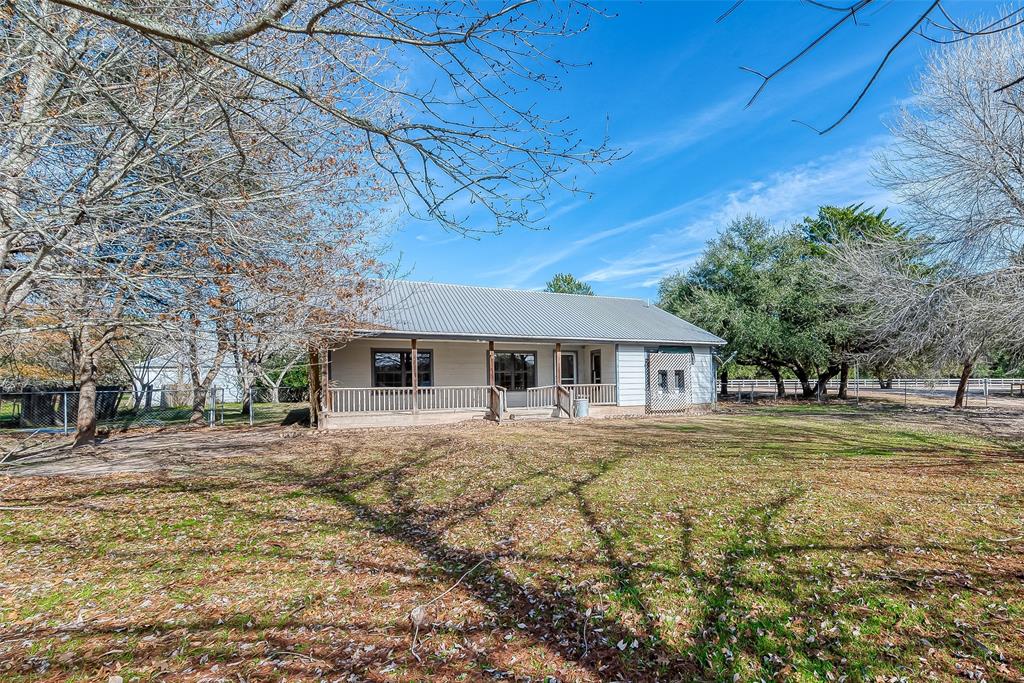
(796, 543)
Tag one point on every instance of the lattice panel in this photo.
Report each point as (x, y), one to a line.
(669, 381)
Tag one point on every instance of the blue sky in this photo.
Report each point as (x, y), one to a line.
(665, 85)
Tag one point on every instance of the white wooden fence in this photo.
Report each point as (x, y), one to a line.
(596, 394)
(979, 383)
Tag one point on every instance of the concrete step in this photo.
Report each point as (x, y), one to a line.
(531, 414)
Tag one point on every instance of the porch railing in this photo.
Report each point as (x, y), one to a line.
(391, 399)
(596, 394)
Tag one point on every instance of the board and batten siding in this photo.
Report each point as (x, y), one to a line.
(630, 370)
(702, 376)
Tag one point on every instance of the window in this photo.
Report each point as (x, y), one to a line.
(568, 367)
(595, 367)
(394, 368)
(663, 381)
(515, 371)
(680, 381)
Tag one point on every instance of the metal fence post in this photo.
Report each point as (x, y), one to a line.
(65, 413)
(251, 417)
(213, 406)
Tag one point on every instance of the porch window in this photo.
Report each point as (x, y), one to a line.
(516, 371)
(394, 368)
(568, 367)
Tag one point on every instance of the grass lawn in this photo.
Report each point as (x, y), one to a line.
(786, 544)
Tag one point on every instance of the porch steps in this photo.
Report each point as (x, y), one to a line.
(525, 414)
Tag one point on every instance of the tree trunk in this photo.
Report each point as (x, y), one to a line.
(724, 377)
(844, 380)
(89, 342)
(315, 393)
(201, 386)
(805, 381)
(780, 385)
(275, 393)
(85, 424)
(199, 396)
(821, 385)
(961, 388)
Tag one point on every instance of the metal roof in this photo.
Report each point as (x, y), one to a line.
(430, 309)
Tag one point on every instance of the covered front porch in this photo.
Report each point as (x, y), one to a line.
(396, 381)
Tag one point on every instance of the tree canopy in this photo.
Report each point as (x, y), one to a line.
(566, 283)
(762, 290)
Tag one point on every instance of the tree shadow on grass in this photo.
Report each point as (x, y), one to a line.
(729, 638)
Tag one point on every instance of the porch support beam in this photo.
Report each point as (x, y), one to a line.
(415, 379)
(493, 393)
(558, 364)
(490, 364)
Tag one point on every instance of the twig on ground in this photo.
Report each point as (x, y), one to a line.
(418, 614)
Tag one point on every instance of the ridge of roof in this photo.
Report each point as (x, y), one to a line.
(518, 290)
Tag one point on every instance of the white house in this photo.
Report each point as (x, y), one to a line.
(440, 352)
(169, 374)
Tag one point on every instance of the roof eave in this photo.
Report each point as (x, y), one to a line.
(441, 336)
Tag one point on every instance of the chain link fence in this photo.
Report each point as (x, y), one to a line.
(119, 409)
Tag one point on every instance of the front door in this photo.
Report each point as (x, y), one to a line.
(668, 381)
(595, 367)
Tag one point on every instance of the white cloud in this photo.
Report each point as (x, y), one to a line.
(525, 268)
(783, 197)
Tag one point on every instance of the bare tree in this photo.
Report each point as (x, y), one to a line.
(460, 132)
(206, 168)
(933, 21)
(956, 164)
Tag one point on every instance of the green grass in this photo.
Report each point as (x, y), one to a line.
(765, 545)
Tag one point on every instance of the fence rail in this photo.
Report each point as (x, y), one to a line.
(921, 383)
(400, 399)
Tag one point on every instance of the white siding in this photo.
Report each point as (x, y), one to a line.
(702, 376)
(630, 373)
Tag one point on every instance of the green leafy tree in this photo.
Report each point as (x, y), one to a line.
(833, 227)
(565, 283)
(756, 288)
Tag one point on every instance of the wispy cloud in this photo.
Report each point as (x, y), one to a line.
(783, 197)
(523, 269)
(688, 130)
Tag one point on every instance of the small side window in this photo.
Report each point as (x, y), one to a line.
(663, 380)
(680, 381)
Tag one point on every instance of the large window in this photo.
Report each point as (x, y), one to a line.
(394, 368)
(516, 371)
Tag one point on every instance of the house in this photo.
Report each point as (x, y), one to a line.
(440, 352)
(169, 375)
